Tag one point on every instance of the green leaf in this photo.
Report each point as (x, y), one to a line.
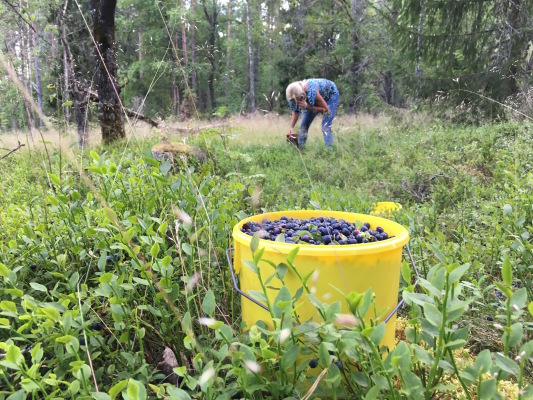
(258, 255)
(100, 396)
(290, 356)
(8, 306)
(507, 272)
(67, 103)
(483, 362)
(458, 272)
(38, 287)
(282, 301)
(257, 295)
(154, 251)
(3, 270)
(254, 243)
(13, 354)
(106, 277)
(292, 255)
(280, 238)
(378, 334)
(251, 266)
(432, 314)
(55, 179)
(530, 308)
(515, 336)
(406, 272)
(506, 364)
(487, 389)
(64, 339)
(323, 356)
(507, 209)
(373, 393)
(519, 298)
(177, 393)
(115, 390)
(136, 390)
(209, 305)
(438, 253)
(504, 289)
(110, 214)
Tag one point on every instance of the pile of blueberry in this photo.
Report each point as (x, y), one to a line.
(315, 231)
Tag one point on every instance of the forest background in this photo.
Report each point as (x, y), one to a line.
(205, 58)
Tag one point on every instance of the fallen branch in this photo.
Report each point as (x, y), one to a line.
(93, 96)
(12, 151)
(197, 129)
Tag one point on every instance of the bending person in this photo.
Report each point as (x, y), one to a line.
(312, 96)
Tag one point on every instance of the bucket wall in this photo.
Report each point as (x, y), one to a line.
(347, 267)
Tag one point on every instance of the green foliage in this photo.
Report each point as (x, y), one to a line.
(94, 289)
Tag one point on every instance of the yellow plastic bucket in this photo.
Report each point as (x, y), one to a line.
(386, 208)
(347, 267)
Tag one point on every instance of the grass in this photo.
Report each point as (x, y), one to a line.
(467, 200)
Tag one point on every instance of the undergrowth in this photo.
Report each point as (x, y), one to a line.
(103, 269)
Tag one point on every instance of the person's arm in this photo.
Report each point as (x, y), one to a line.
(294, 119)
(320, 104)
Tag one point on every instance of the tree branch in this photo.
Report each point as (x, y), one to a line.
(93, 96)
(12, 151)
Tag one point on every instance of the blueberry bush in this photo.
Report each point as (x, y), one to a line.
(110, 261)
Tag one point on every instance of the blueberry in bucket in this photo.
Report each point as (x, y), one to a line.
(316, 231)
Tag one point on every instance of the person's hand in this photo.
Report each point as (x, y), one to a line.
(290, 132)
(303, 104)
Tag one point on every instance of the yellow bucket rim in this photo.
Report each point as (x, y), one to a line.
(398, 241)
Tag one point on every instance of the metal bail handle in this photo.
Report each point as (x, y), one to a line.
(266, 308)
(237, 286)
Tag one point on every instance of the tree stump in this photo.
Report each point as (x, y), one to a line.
(169, 151)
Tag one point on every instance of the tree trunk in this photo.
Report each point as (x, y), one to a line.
(228, 37)
(212, 19)
(81, 100)
(109, 106)
(193, 72)
(80, 94)
(515, 51)
(418, 50)
(66, 77)
(25, 76)
(141, 73)
(184, 39)
(37, 67)
(251, 59)
(357, 8)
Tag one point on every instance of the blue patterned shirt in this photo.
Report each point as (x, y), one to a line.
(326, 88)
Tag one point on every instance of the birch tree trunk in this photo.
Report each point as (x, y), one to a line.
(184, 38)
(250, 56)
(66, 77)
(25, 76)
(37, 73)
(193, 45)
(228, 38)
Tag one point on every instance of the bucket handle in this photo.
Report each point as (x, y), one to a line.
(228, 256)
(237, 286)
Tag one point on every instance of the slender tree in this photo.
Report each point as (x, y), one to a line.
(212, 19)
(250, 57)
(110, 108)
(228, 40)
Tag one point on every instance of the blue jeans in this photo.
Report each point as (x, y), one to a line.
(327, 121)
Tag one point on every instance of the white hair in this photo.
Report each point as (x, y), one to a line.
(295, 90)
